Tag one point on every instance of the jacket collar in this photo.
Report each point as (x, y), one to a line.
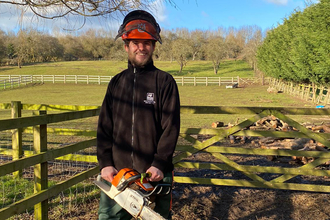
(148, 67)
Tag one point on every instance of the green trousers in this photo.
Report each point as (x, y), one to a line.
(109, 209)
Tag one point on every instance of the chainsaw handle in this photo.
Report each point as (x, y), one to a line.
(121, 186)
(159, 190)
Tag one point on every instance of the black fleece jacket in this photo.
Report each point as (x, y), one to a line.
(139, 121)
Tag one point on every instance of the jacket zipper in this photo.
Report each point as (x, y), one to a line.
(133, 118)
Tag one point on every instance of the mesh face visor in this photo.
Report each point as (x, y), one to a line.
(139, 29)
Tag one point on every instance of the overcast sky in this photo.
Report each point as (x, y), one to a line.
(191, 14)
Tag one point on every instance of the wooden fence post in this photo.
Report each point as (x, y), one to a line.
(40, 170)
(320, 96)
(325, 101)
(308, 92)
(16, 112)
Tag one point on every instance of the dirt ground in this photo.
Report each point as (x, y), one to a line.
(229, 203)
(206, 202)
(199, 202)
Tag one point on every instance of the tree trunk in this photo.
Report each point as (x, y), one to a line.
(181, 66)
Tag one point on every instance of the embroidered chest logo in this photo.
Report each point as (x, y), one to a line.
(150, 98)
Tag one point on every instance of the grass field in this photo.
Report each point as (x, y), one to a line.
(70, 94)
(229, 68)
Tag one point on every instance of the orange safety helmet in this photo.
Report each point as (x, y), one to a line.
(139, 24)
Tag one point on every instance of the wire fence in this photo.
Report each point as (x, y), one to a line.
(67, 203)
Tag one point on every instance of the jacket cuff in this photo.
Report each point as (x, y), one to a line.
(161, 164)
(105, 163)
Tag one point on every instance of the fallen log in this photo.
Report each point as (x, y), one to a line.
(217, 124)
(321, 128)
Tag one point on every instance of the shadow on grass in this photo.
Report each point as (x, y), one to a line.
(237, 70)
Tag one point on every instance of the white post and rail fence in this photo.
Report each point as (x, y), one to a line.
(316, 94)
(13, 81)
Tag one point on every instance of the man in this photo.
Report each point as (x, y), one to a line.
(139, 121)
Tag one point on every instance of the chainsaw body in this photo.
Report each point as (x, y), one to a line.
(133, 192)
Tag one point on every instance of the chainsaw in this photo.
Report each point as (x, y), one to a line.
(134, 193)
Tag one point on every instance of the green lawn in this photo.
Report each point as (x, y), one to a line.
(71, 94)
(228, 68)
(67, 68)
(81, 94)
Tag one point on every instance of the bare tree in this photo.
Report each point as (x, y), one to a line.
(250, 50)
(22, 48)
(216, 50)
(117, 51)
(181, 51)
(198, 38)
(2, 46)
(49, 49)
(164, 51)
(96, 42)
(73, 48)
(235, 41)
(51, 9)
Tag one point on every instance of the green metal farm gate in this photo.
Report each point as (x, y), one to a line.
(191, 144)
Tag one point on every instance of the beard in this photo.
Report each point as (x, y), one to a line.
(140, 63)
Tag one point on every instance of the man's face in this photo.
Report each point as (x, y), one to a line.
(140, 52)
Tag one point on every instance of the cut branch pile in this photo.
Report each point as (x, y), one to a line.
(272, 123)
(301, 144)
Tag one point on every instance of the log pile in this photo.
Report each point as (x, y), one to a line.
(217, 124)
(301, 144)
(271, 123)
(274, 124)
(272, 90)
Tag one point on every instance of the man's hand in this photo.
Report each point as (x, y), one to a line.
(156, 174)
(108, 173)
